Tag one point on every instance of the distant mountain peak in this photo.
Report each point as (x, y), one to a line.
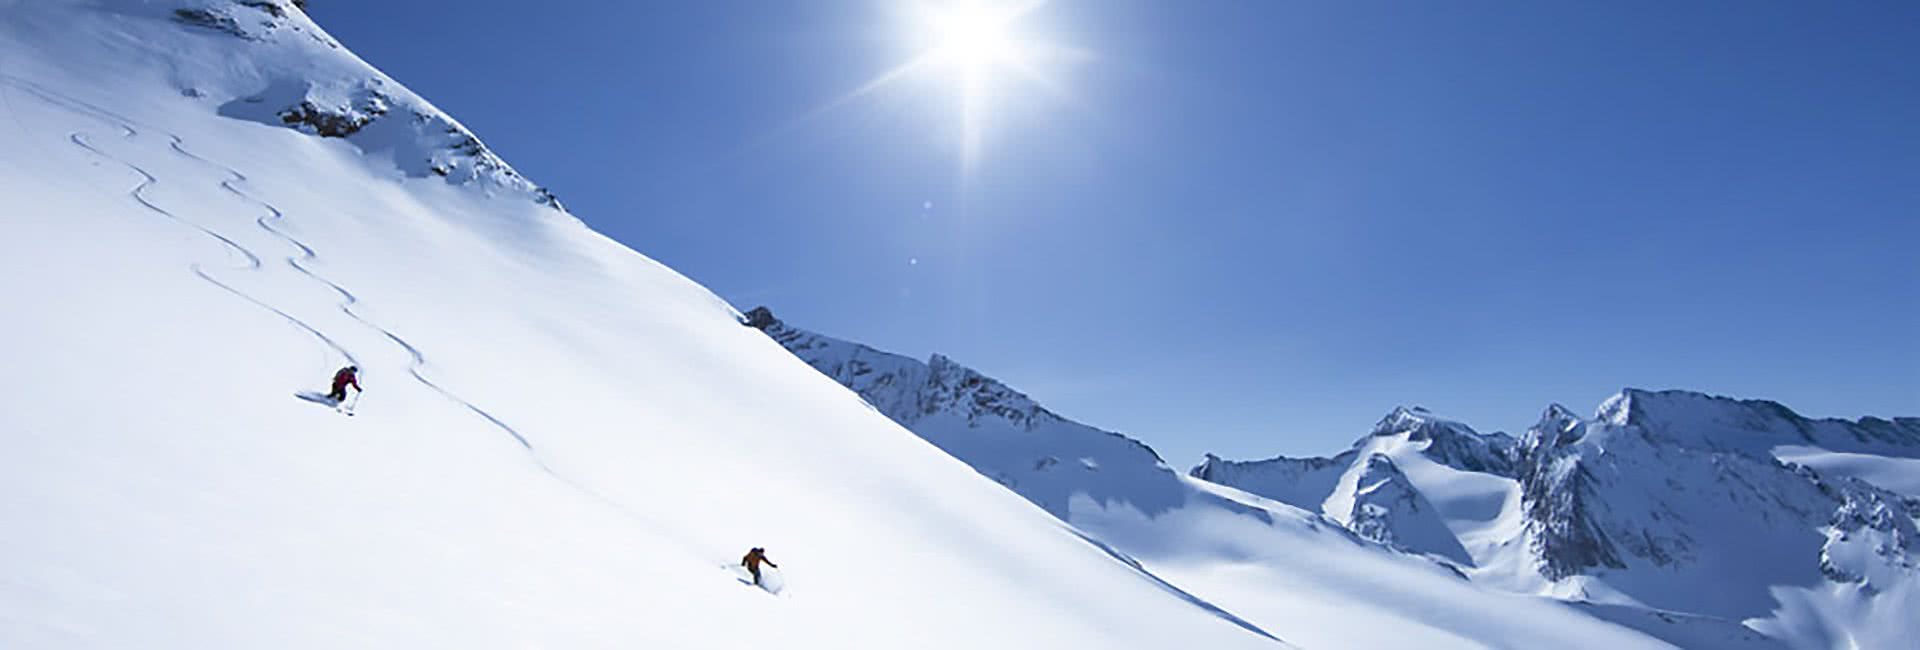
(1387, 508)
(1402, 419)
(1558, 426)
(1447, 441)
(998, 430)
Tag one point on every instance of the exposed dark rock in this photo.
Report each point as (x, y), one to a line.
(336, 122)
(1565, 538)
(1874, 516)
(546, 197)
(1452, 443)
(272, 8)
(759, 318)
(209, 19)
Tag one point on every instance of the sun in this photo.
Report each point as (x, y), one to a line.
(971, 37)
(973, 48)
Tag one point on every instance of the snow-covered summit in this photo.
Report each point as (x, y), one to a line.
(1387, 508)
(1698, 420)
(1448, 442)
(1307, 482)
(1740, 510)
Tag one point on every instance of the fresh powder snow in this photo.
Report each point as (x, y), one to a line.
(212, 206)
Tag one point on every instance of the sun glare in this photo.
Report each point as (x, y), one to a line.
(973, 48)
(971, 37)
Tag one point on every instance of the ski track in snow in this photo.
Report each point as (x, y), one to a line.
(348, 300)
(305, 254)
(138, 194)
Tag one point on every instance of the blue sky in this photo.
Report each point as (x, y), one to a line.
(1251, 227)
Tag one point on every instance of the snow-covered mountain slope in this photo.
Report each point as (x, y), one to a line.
(564, 443)
(1740, 511)
(1001, 432)
(1456, 470)
(1316, 565)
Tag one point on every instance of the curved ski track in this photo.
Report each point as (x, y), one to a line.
(348, 301)
(418, 360)
(252, 259)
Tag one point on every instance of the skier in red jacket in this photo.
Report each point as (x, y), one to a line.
(348, 376)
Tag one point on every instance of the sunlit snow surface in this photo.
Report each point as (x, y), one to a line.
(568, 445)
(1680, 515)
(1696, 518)
(564, 444)
(1281, 566)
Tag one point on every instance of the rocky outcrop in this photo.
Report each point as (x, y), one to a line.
(210, 18)
(1387, 508)
(358, 106)
(1872, 537)
(1671, 498)
(1558, 500)
(1451, 443)
(336, 121)
(999, 431)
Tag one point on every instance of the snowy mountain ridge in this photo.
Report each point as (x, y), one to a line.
(1673, 500)
(212, 206)
(1379, 493)
(998, 430)
(353, 102)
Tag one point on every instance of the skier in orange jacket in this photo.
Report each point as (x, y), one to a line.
(752, 561)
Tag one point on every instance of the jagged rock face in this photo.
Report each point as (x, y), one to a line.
(1672, 499)
(1309, 482)
(999, 431)
(1451, 443)
(1387, 508)
(978, 396)
(1872, 537)
(209, 19)
(336, 121)
(1558, 427)
(897, 386)
(1558, 497)
(254, 20)
(367, 110)
(1367, 488)
(1557, 494)
(1750, 426)
(1673, 487)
